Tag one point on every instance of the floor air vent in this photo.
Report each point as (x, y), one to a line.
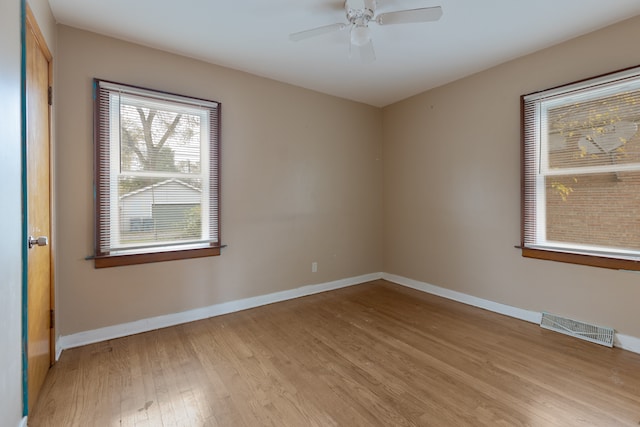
(585, 331)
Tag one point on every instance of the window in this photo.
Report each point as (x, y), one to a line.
(581, 172)
(157, 192)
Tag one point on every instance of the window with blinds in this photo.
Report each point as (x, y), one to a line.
(581, 172)
(157, 192)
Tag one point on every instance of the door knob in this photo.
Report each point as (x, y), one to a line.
(39, 241)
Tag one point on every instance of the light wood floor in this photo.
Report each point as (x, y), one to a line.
(375, 354)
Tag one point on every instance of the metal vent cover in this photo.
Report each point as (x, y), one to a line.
(574, 328)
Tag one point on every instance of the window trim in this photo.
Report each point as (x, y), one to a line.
(167, 252)
(144, 258)
(560, 254)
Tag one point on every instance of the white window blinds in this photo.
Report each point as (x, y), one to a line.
(157, 171)
(581, 168)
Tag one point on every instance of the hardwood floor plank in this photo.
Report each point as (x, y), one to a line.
(376, 354)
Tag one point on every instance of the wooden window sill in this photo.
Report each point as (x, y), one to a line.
(590, 260)
(145, 258)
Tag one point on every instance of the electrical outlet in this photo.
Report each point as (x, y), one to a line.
(314, 267)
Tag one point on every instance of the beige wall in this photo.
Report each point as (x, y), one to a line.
(301, 179)
(302, 174)
(452, 187)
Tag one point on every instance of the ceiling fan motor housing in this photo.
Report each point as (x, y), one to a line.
(360, 12)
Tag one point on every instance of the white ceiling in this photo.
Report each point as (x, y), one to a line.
(252, 36)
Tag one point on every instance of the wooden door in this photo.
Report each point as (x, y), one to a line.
(39, 287)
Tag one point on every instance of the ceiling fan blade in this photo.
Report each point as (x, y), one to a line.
(296, 37)
(425, 14)
(366, 52)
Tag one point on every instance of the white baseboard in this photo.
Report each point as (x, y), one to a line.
(23, 422)
(58, 348)
(150, 324)
(507, 310)
(625, 342)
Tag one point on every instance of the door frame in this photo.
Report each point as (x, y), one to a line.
(28, 19)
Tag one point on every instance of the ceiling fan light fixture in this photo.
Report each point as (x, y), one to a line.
(360, 35)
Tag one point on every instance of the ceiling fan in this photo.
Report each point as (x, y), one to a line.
(359, 14)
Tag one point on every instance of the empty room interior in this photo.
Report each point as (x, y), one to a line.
(320, 213)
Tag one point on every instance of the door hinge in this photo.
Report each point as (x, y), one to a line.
(52, 319)
(50, 95)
